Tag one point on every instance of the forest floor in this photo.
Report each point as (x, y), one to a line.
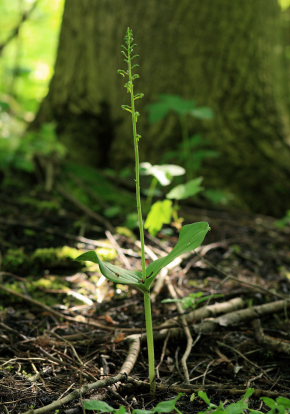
(62, 325)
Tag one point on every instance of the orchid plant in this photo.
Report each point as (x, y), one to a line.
(191, 235)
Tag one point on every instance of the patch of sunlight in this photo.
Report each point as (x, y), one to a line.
(107, 253)
(42, 71)
(284, 4)
(101, 289)
(80, 297)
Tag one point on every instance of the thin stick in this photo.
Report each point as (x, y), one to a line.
(77, 393)
(186, 330)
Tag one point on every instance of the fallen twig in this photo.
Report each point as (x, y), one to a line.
(116, 246)
(78, 393)
(134, 349)
(217, 388)
(207, 311)
(242, 315)
(186, 331)
(278, 344)
(58, 315)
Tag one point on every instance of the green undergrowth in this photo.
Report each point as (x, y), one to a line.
(44, 271)
(280, 405)
(46, 290)
(96, 191)
(42, 206)
(18, 261)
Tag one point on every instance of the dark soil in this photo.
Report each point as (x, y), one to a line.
(45, 355)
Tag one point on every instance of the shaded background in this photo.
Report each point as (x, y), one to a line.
(228, 60)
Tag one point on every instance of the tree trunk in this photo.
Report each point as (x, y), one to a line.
(223, 53)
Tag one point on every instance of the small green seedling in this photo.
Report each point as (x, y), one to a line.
(191, 235)
(192, 150)
(168, 406)
(238, 407)
(188, 152)
(162, 174)
(162, 212)
(192, 300)
(279, 406)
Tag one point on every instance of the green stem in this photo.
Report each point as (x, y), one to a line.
(150, 341)
(137, 170)
(147, 300)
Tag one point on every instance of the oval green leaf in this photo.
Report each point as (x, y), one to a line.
(189, 189)
(101, 406)
(191, 237)
(159, 214)
(114, 273)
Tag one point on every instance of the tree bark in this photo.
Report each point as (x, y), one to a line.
(225, 54)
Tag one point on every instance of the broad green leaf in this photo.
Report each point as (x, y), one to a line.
(269, 401)
(219, 410)
(159, 214)
(114, 273)
(121, 410)
(157, 112)
(101, 406)
(236, 408)
(191, 237)
(218, 196)
(167, 406)
(248, 394)
(283, 401)
(142, 411)
(183, 191)
(256, 412)
(203, 395)
(202, 112)
(112, 211)
(169, 103)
